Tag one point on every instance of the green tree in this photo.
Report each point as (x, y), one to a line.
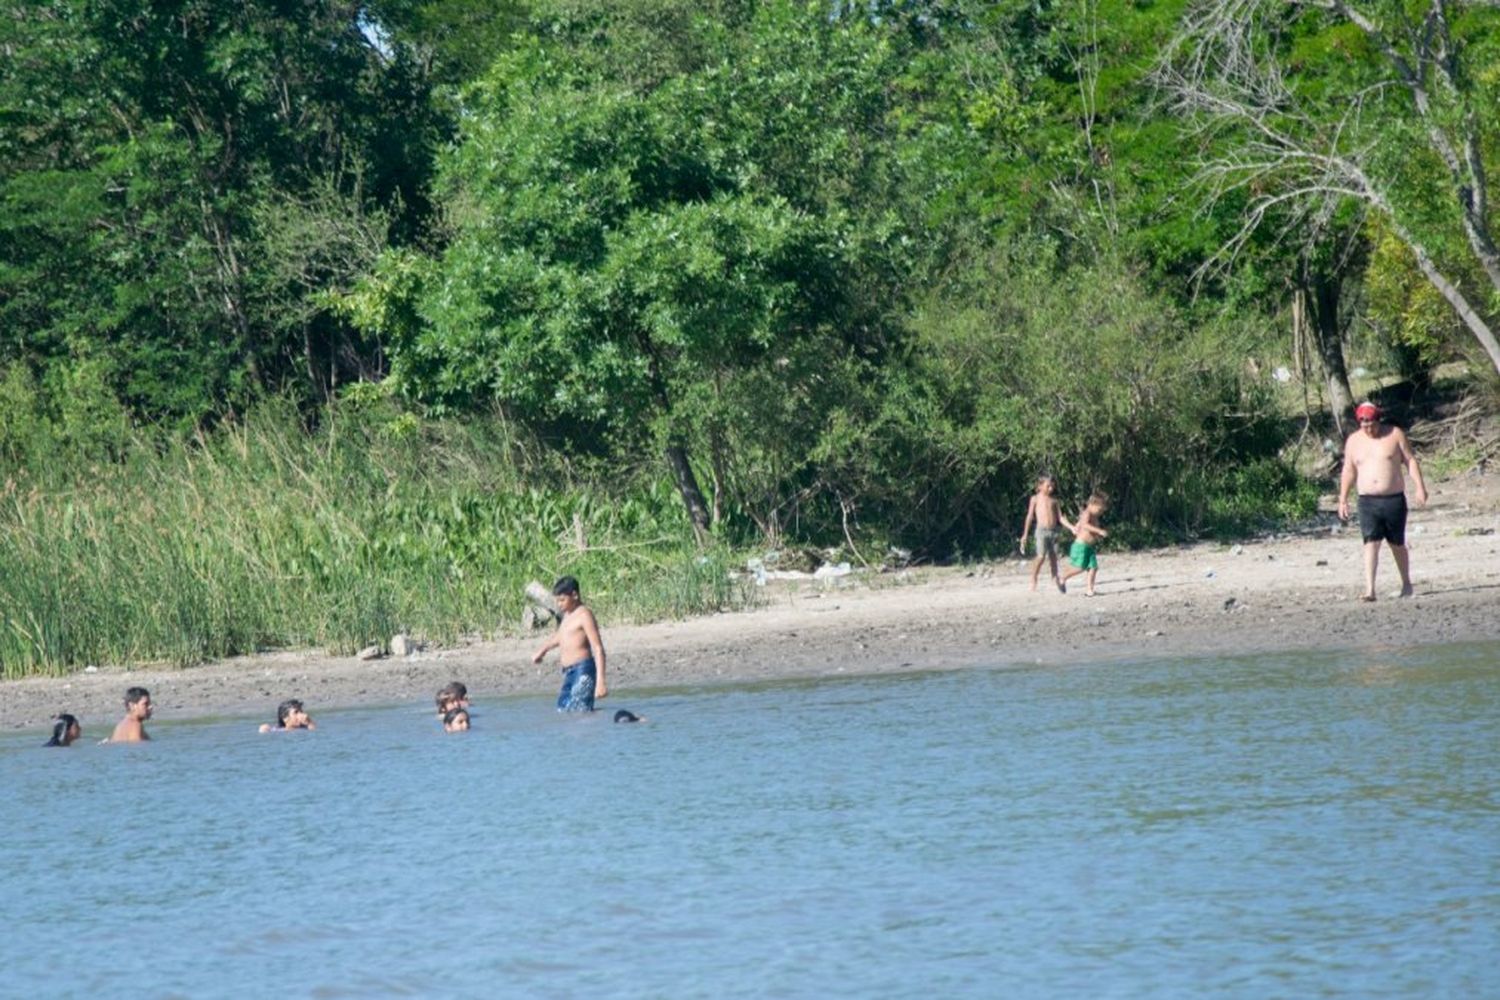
(631, 262)
(140, 146)
(1387, 104)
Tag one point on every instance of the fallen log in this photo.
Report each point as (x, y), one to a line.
(541, 609)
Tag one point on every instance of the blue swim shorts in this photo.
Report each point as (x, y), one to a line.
(577, 694)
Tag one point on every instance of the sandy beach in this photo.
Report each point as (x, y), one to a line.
(1290, 591)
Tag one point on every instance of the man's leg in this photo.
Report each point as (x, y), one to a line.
(1372, 558)
(1093, 575)
(1056, 577)
(1036, 570)
(1398, 553)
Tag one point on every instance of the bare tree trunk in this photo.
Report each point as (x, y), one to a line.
(687, 486)
(1322, 293)
(1460, 303)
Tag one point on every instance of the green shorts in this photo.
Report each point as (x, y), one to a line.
(1084, 556)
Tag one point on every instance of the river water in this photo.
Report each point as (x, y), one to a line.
(1292, 825)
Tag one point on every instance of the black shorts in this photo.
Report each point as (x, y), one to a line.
(1383, 518)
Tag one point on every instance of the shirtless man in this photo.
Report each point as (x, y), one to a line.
(580, 648)
(1373, 458)
(131, 729)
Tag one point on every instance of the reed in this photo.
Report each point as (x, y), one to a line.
(265, 535)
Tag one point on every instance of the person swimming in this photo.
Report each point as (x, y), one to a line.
(132, 728)
(456, 720)
(289, 715)
(450, 696)
(625, 715)
(65, 730)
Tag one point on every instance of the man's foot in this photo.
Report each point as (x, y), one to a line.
(1062, 588)
(1033, 586)
(1406, 590)
(1367, 598)
(1089, 593)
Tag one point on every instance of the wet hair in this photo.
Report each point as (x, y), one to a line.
(133, 695)
(626, 715)
(565, 585)
(60, 728)
(286, 708)
(452, 691)
(1046, 477)
(451, 716)
(1102, 499)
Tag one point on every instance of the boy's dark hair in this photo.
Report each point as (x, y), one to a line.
(133, 695)
(1046, 477)
(60, 729)
(286, 708)
(452, 691)
(454, 713)
(564, 585)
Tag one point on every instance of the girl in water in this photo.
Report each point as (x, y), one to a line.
(456, 720)
(65, 729)
(289, 715)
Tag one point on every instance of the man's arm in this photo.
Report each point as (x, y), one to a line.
(1346, 483)
(596, 650)
(1413, 468)
(1026, 525)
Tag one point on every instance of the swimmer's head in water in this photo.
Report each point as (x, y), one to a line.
(625, 715)
(452, 695)
(65, 730)
(138, 702)
(290, 715)
(456, 721)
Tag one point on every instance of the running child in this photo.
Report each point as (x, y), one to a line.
(1086, 537)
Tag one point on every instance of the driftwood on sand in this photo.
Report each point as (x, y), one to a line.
(541, 608)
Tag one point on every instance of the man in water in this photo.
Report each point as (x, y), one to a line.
(132, 729)
(1373, 459)
(580, 649)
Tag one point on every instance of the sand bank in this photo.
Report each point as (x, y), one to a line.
(1287, 592)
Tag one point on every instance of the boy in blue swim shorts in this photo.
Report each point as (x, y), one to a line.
(581, 649)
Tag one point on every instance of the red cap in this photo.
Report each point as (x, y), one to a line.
(1367, 411)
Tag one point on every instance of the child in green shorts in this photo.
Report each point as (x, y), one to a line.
(1083, 556)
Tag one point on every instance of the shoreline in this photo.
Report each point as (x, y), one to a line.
(1282, 593)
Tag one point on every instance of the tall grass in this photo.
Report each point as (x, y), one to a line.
(265, 535)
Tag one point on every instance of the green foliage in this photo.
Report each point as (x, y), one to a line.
(1231, 501)
(1407, 314)
(267, 536)
(870, 266)
(1082, 372)
(460, 38)
(638, 261)
(151, 155)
